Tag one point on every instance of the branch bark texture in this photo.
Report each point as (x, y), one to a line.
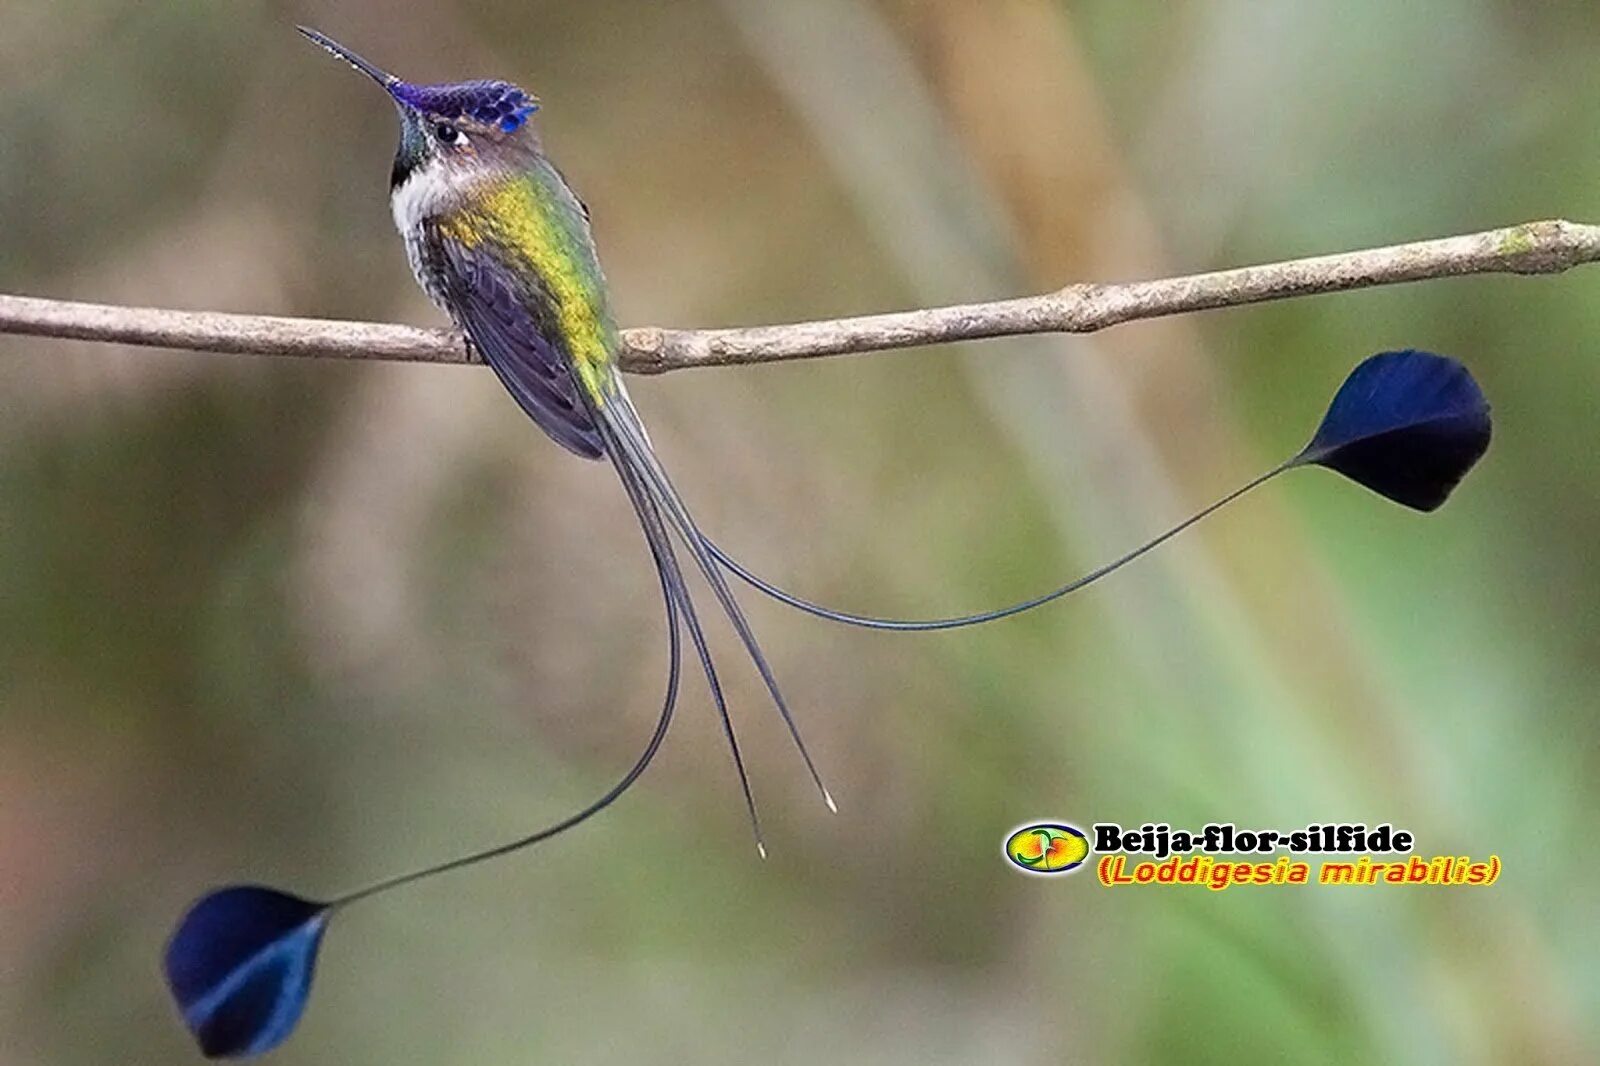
(1548, 247)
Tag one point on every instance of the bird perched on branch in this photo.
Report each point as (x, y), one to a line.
(499, 240)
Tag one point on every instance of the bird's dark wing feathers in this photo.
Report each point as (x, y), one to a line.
(510, 321)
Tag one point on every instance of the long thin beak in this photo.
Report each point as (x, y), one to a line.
(377, 74)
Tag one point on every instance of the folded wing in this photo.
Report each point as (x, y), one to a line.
(510, 319)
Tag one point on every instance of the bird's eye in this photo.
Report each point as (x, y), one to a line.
(448, 134)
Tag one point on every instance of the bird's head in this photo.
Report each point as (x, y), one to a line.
(459, 127)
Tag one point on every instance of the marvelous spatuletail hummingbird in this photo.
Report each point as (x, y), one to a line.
(499, 240)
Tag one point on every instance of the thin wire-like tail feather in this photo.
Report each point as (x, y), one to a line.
(638, 488)
(670, 583)
(901, 625)
(625, 427)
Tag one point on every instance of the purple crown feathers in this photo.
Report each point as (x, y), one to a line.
(488, 103)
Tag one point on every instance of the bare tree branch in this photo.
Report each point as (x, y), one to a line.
(1533, 248)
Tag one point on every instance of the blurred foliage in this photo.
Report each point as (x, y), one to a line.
(311, 624)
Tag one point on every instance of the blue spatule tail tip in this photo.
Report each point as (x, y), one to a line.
(240, 966)
(1407, 425)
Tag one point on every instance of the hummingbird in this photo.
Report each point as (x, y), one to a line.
(498, 239)
(501, 243)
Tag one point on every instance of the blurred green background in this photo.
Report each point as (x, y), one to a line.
(310, 623)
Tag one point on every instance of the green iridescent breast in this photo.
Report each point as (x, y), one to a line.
(535, 227)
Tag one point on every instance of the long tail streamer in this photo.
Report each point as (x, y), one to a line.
(632, 448)
(241, 960)
(1407, 425)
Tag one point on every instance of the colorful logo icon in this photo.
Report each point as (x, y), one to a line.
(1047, 848)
